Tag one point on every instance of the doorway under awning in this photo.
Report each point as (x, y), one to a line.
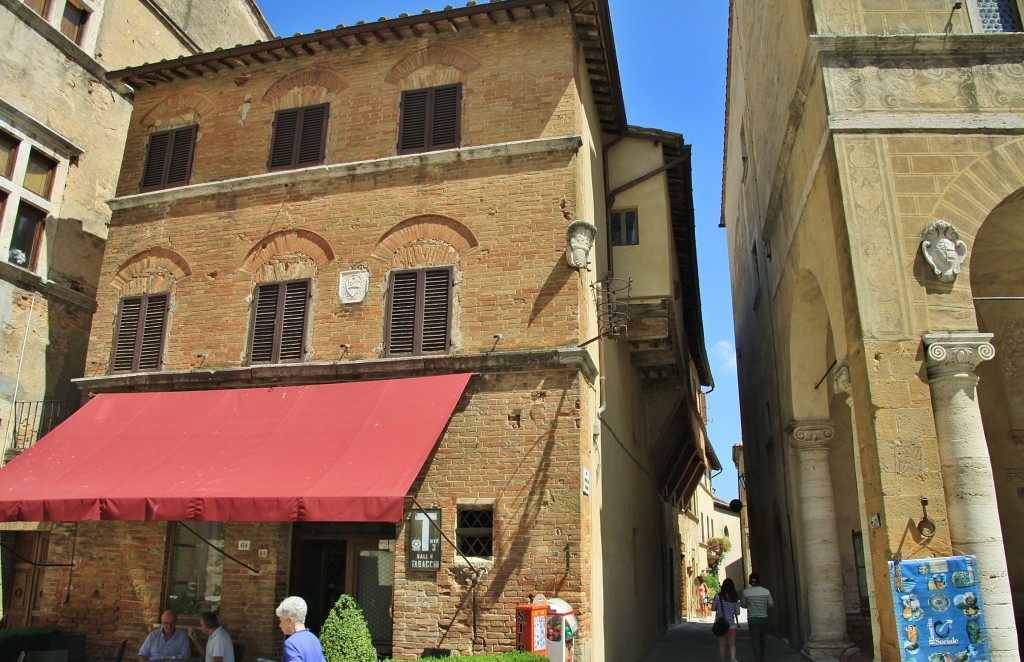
(324, 452)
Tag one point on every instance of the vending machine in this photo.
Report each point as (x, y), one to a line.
(531, 625)
(561, 631)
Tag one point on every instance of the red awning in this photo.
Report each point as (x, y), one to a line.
(327, 452)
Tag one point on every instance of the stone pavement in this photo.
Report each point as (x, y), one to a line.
(694, 641)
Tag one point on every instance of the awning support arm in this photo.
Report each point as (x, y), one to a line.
(219, 549)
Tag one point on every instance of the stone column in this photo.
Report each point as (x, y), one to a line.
(819, 539)
(971, 507)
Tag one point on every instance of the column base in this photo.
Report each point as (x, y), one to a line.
(825, 651)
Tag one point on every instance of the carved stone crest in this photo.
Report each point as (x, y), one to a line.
(353, 285)
(943, 250)
(580, 239)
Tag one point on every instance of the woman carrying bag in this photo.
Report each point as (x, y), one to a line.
(727, 608)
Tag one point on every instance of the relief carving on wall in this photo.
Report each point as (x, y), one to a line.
(353, 285)
(874, 235)
(943, 250)
(926, 84)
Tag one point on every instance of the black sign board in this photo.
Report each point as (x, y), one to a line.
(425, 540)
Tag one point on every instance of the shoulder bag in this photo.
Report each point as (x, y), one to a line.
(721, 626)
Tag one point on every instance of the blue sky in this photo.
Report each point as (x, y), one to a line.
(672, 64)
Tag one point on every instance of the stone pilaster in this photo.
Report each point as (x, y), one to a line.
(819, 538)
(974, 526)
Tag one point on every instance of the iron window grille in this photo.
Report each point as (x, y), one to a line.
(474, 532)
(139, 336)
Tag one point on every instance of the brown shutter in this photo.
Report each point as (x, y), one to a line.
(299, 137)
(279, 322)
(444, 125)
(286, 125)
(156, 157)
(169, 159)
(313, 135)
(412, 136)
(180, 165)
(402, 313)
(437, 289)
(139, 339)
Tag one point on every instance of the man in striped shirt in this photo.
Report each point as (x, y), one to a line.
(757, 600)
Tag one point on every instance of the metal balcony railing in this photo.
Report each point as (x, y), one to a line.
(31, 420)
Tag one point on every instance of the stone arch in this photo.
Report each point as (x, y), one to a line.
(302, 249)
(152, 270)
(427, 240)
(180, 109)
(304, 88)
(436, 57)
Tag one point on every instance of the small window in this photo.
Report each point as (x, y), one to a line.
(8, 150)
(169, 159)
(72, 23)
(39, 175)
(196, 567)
(139, 338)
(419, 312)
(999, 15)
(474, 532)
(41, 7)
(625, 230)
(278, 329)
(299, 137)
(430, 119)
(26, 236)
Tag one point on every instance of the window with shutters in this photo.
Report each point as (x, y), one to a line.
(299, 137)
(474, 533)
(419, 312)
(430, 119)
(169, 159)
(279, 318)
(139, 336)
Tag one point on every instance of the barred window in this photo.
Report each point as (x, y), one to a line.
(474, 531)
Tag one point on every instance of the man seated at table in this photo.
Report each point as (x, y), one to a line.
(167, 642)
(218, 646)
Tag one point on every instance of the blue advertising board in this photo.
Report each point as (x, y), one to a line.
(939, 613)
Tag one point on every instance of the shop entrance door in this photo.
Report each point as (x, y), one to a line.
(318, 576)
(27, 567)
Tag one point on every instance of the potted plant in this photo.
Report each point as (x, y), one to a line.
(717, 548)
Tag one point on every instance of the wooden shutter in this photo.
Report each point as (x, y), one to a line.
(419, 312)
(299, 137)
(279, 322)
(139, 338)
(430, 119)
(169, 159)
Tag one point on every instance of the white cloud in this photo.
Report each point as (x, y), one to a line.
(724, 351)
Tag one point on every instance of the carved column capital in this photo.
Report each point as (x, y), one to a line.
(811, 435)
(956, 354)
(841, 379)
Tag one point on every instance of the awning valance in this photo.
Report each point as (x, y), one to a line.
(326, 452)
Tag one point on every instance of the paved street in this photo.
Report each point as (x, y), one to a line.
(694, 641)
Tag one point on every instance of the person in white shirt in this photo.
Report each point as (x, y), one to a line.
(218, 646)
(757, 600)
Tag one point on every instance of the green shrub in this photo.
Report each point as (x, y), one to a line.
(15, 640)
(345, 636)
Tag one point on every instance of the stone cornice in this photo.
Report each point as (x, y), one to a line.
(917, 122)
(572, 358)
(956, 355)
(811, 434)
(1001, 43)
(47, 288)
(562, 145)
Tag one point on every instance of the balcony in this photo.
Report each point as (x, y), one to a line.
(32, 420)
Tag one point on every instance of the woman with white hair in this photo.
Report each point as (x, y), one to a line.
(300, 645)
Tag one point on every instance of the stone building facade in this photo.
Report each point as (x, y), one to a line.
(873, 166)
(62, 131)
(451, 193)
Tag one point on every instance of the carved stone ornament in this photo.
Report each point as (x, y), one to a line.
(943, 250)
(956, 354)
(580, 239)
(353, 285)
(810, 435)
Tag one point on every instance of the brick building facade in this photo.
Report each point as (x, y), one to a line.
(390, 201)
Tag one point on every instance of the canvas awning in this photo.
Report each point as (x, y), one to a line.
(327, 452)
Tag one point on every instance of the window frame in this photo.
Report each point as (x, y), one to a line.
(76, 30)
(279, 334)
(464, 532)
(171, 556)
(619, 229)
(299, 138)
(178, 139)
(424, 311)
(143, 335)
(415, 121)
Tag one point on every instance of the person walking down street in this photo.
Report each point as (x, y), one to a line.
(218, 646)
(727, 606)
(702, 597)
(757, 600)
(300, 645)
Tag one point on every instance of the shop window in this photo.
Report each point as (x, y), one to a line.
(430, 119)
(278, 329)
(419, 312)
(299, 137)
(139, 339)
(196, 567)
(474, 531)
(625, 228)
(169, 158)
(72, 22)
